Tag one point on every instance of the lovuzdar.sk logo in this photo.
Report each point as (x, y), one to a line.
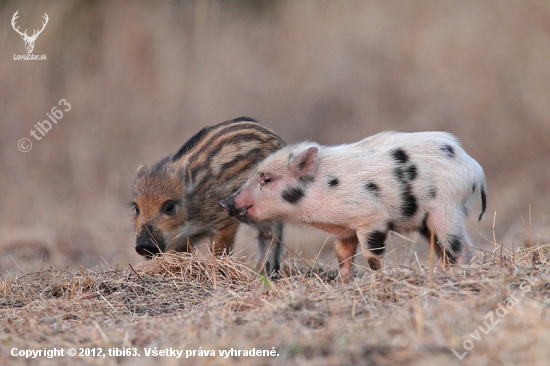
(29, 40)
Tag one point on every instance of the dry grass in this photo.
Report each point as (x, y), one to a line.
(400, 315)
(143, 77)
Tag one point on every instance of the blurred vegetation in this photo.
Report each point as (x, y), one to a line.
(142, 77)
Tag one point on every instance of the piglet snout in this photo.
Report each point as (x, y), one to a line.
(230, 207)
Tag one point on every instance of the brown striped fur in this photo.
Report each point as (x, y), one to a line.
(176, 202)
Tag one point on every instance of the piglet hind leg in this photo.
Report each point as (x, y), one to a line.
(373, 245)
(458, 247)
(451, 242)
(270, 248)
(453, 249)
(346, 247)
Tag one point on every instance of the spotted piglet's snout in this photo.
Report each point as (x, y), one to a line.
(233, 210)
(228, 205)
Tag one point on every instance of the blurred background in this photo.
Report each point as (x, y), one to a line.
(142, 77)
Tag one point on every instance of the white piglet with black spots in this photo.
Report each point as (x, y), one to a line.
(403, 182)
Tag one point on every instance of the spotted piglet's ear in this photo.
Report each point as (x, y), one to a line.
(305, 164)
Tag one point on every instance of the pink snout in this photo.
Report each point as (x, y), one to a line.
(241, 213)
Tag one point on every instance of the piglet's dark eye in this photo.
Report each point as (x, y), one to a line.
(264, 179)
(168, 208)
(135, 207)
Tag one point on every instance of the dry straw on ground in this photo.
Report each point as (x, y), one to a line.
(400, 315)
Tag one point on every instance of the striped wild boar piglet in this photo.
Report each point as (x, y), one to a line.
(395, 181)
(176, 200)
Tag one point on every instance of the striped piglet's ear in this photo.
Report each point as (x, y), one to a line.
(142, 171)
(186, 177)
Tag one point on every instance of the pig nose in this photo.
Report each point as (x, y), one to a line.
(147, 248)
(229, 206)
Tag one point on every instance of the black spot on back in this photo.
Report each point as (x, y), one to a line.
(448, 150)
(373, 188)
(410, 205)
(400, 156)
(411, 172)
(406, 173)
(376, 242)
(333, 181)
(474, 186)
(399, 174)
(293, 195)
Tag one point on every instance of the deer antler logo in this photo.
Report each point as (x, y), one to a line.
(29, 41)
